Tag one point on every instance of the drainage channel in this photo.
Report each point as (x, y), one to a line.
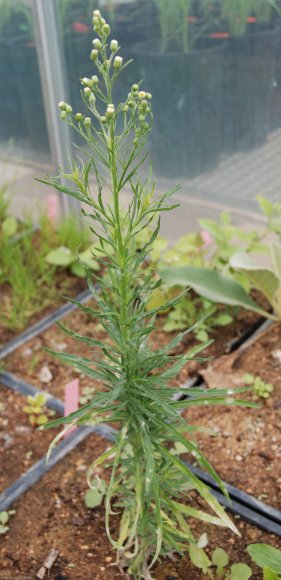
(43, 324)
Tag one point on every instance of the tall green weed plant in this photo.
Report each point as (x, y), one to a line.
(148, 484)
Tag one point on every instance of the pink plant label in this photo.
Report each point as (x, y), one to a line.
(52, 208)
(71, 400)
(206, 237)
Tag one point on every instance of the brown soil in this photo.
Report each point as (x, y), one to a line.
(65, 285)
(27, 361)
(245, 447)
(52, 514)
(21, 445)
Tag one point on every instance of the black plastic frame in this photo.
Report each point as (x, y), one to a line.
(42, 325)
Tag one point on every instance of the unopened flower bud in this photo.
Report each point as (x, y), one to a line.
(102, 20)
(95, 22)
(62, 105)
(68, 109)
(86, 81)
(131, 103)
(148, 96)
(87, 92)
(106, 29)
(96, 14)
(118, 61)
(135, 88)
(103, 119)
(141, 118)
(63, 115)
(94, 54)
(97, 43)
(114, 45)
(126, 109)
(87, 121)
(110, 111)
(78, 117)
(95, 80)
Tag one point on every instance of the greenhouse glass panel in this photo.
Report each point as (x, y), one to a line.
(215, 78)
(22, 110)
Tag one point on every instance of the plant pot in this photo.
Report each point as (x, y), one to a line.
(186, 91)
(27, 87)
(248, 87)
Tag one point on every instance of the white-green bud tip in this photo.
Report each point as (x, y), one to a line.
(94, 54)
(126, 109)
(135, 88)
(87, 121)
(110, 110)
(87, 92)
(68, 109)
(62, 105)
(106, 29)
(114, 45)
(96, 14)
(94, 80)
(148, 95)
(63, 115)
(142, 95)
(78, 116)
(118, 61)
(103, 119)
(97, 43)
(87, 82)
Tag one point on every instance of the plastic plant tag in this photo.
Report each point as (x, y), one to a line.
(71, 401)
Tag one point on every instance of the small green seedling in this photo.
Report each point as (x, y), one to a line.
(268, 558)
(4, 520)
(260, 388)
(87, 395)
(95, 495)
(218, 566)
(186, 312)
(36, 411)
(78, 264)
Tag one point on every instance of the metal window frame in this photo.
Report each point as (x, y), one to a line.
(54, 88)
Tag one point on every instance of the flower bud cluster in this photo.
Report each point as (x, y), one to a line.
(90, 85)
(65, 109)
(101, 28)
(138, 103)
(81, 119)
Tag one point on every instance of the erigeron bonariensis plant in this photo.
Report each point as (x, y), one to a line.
(148, 483)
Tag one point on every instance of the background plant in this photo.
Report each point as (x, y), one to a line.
(30, 260)
(36, 410)
(260, 388)
(146, 479)
(236, 13)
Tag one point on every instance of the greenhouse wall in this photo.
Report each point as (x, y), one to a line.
(216, 85)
